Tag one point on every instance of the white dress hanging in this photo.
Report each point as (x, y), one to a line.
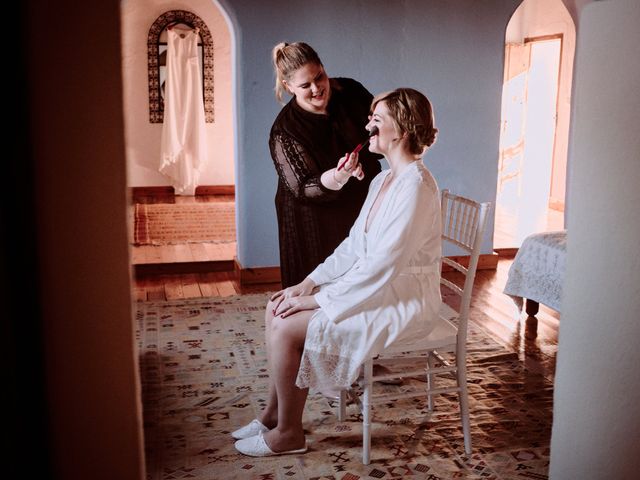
(183, 146)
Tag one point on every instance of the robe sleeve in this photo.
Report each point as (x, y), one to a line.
(344, 256)
(297, 169)
(336, 264)
(409, 220)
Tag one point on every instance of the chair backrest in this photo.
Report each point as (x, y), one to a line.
(463, 225)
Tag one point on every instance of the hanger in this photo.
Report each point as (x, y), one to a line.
(173, 24)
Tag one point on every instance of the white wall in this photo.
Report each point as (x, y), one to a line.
(596, 421)
(536, 18)
(143, 138)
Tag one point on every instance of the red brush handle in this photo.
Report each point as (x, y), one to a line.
(357, 149)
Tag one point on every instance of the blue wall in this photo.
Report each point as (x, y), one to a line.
(451, 50)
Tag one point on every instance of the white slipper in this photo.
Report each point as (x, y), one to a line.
(249, 430)
(256, 447)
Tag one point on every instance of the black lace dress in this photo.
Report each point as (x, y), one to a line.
(313, 220)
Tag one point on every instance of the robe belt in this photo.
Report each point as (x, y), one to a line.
(420, 269)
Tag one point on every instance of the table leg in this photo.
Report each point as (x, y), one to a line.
(532, 307)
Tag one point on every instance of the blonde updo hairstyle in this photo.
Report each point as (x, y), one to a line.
(289, 57)
(412, 114)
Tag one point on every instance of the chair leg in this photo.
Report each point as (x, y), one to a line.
(366, 412)
(463, 396)
(342, 406)
(431, 381)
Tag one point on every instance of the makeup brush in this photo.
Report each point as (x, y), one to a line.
(374, 131)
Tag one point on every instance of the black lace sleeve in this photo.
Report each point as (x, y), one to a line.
(297, 170)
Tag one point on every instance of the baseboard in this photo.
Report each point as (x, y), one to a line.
(151, 269)
(137, 192)
(255, 275)
(506, 252)
(216, 190)
(167, 191)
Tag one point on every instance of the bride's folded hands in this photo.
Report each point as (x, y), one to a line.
(301, 289)
(289, 306)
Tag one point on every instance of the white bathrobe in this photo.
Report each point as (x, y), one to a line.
(378, 286)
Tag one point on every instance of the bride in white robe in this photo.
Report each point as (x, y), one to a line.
(381, 284)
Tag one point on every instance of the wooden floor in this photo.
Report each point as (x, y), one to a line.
(535, 339)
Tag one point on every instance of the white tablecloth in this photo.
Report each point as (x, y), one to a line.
(537, 272)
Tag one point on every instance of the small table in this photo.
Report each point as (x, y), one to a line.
(537, 272)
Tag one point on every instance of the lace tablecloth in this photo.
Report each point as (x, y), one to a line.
(537, 272)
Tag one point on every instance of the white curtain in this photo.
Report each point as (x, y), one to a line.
(183, 147)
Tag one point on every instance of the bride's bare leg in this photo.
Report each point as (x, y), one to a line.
(269, 416)
(287, 338)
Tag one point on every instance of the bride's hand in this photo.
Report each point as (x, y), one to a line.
(301, 289)
(292, 305)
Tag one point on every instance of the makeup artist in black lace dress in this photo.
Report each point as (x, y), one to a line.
(316, 202)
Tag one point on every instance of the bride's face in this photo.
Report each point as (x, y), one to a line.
(388, 134)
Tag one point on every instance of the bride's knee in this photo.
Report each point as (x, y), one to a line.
(269, 312)
(273, 323)
(280, 329)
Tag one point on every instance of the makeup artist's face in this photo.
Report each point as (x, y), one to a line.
(310, 85)
(388, 135)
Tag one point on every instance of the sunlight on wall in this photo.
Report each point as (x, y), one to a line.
(535, 122)
(529, 111)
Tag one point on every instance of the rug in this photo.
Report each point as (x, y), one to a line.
(203, 371)
(170, 223)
